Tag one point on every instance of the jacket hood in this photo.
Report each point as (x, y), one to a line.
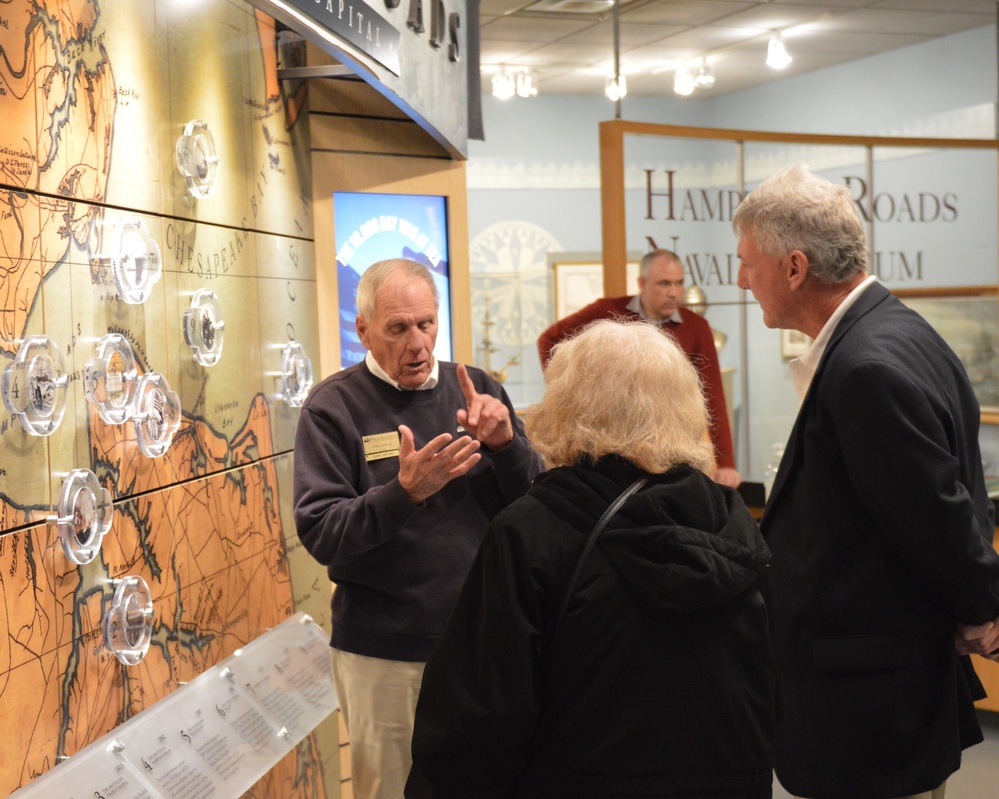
(683, 542)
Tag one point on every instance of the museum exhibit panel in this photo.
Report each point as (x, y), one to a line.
(161, 328)
(177, 230)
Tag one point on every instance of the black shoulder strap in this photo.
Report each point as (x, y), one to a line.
(590, 541)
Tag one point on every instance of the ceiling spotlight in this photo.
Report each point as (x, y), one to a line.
(705, 77)
(683, 82)
(616, 89)
(503, 86)
(777, 55)
(525, 85)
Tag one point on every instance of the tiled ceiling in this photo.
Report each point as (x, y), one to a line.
(568, 45)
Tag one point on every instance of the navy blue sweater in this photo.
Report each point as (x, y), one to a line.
(397, 566)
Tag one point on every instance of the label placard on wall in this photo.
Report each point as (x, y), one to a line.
(87, 774)
(214, 737)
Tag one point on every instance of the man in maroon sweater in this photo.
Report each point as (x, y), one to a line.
(660, 291)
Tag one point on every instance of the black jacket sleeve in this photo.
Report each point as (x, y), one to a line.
(480, 699)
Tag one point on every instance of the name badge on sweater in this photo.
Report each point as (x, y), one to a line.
(381, 445)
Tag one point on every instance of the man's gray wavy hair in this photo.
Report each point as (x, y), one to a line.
(797, 210)
(376, 274)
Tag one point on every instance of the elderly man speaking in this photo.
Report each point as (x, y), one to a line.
(401, 461)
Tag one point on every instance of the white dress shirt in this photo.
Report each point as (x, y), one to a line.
(377, 371)
(803, 368)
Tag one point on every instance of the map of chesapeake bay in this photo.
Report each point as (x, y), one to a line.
(93, 96)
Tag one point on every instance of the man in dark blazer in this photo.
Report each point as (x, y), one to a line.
(883, 575)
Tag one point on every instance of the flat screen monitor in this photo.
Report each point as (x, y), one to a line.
(371, 227)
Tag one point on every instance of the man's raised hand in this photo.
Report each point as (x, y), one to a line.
(423, 472)
(486, 418)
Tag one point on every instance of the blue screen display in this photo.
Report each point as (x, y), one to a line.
(372, 227)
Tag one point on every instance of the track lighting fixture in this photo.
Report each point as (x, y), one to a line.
(525, 85)
(683, 82)
(777, 55)
(616, 88)
(503, 85)
(705, 77)
(510, 81)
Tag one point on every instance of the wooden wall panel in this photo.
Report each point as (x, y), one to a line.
(351, 134)
(350, 96)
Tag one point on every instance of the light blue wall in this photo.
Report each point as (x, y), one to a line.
(909, 92)
(534, 185)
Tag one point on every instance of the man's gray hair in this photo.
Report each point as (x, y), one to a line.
(376, 274)
(653, 255)
(797, 210)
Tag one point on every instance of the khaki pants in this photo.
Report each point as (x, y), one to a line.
(378, 706)
(935, 794)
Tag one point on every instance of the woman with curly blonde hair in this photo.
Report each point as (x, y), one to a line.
(605, 396)
(611, 637)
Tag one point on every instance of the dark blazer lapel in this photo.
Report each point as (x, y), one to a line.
(872, 297)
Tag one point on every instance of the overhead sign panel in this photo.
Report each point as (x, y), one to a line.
(359, 24)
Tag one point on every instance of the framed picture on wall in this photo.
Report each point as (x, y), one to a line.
(988, 443)
(579, 279)
(793, 343)
(968, 320)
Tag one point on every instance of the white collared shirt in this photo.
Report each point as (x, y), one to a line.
(380, 373)
(803, 368)
(635, 306)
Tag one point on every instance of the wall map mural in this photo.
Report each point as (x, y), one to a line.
(96, 98)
